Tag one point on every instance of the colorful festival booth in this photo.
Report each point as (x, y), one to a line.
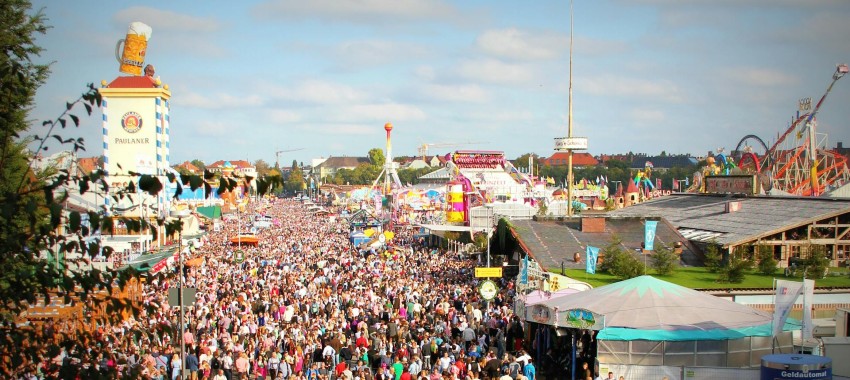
(645, 321)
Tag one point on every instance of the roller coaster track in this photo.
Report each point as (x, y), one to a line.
(795, 170)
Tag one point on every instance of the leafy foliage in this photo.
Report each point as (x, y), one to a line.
(619, 262)
(817, 262)
(735, 269)
(664, 261)
(713, 258)
(766, 262)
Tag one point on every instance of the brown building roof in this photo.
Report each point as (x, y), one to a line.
(88, 164)
(237, 164)
(344, 162)
(579, 159)
(188, 166)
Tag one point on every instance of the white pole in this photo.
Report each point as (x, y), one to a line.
(182, 323)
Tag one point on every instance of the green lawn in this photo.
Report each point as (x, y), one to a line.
(701, 278)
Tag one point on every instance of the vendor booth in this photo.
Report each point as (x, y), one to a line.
(644, 321)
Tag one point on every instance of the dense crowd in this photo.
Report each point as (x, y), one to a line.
(306, 304)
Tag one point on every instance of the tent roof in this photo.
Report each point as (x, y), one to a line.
(211, 212)
(651, 309)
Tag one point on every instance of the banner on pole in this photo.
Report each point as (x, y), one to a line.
(808, 296)
(592, 255)
(786, 295)
(649, 234)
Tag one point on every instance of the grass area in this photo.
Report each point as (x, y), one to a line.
(701, 278)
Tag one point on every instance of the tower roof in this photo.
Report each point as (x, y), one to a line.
(133, 82)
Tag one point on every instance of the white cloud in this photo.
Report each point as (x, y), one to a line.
(363, 11)
(331, 129)
(457, 93)
(380, 112)
(608, 85)
(763, 77)
(374, 53)
(283, 117)
(318, 92)
(646, 116)
(214, 128)
(217, 100)
(494, 71)
(426, 73)
(161, 20)
(588, 46)
(522, 45)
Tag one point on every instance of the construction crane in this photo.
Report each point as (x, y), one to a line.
(277, 155)
(423, 149)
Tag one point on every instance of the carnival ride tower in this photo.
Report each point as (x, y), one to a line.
(389, 172)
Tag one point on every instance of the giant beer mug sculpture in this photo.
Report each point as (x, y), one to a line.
(132, 58)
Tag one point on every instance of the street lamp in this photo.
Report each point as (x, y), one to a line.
(180, 214)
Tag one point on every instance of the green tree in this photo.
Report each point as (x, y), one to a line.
(766, 262)
(263, 168)
(376, 157)
(619, 262)
(295, 182)
(817, 263)
(199, 164)
(735, 269)
(713, 259)
(664, 261)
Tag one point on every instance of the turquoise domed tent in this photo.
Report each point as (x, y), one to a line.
(649, 321)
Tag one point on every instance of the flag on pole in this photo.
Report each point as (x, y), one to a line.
(592, 255)
(649, 234)
(786, 295)
(808, 295)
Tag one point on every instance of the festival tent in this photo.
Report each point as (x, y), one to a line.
(648, 321)
(539, 296)
(651, 309)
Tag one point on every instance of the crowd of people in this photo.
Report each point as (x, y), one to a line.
(307, 304)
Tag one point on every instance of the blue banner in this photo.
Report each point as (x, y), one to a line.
(649, 235)
(592, 256)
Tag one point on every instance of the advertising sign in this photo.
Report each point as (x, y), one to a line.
(488, 290)
(736, 184)
(570, 143)
(488, 272)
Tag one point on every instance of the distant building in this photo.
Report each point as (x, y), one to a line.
(189, 167)
(604, 158)
(580, 160)
(663, 163)
(329, 167)
(241, 168)
(87, 165)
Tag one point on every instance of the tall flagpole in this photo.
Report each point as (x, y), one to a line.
(570, 123)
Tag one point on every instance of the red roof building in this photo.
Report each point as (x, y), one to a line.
(189, 167)
(579, 160)
(88, 165)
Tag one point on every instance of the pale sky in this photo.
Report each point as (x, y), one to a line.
(249, 78)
